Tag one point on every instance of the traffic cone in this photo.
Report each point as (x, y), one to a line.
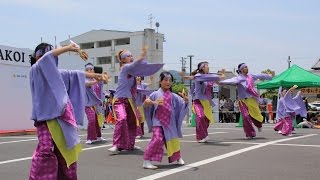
(193, 120)
(295, 124)
(240, 124)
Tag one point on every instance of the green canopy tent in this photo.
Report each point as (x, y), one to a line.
(293, 75)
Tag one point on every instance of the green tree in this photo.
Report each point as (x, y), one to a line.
(270, 92)
(178, 86)
(268, 71)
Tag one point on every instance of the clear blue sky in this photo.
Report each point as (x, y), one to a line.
(224, 32)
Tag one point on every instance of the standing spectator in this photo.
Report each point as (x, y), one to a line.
(236, 109)
(274, 108)
(305, 100)
(222, 101)
(228, 108)
(263, 108)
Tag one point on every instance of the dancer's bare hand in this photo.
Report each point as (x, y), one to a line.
(159, 101)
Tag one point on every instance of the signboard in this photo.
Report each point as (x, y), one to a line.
(310, 90)
(14, 56)
(215, 88)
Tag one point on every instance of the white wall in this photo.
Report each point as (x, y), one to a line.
(15, 96)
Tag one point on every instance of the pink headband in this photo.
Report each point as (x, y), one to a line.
(40, 53)
(89, 66)
(242, 66)
(168, 76)
(125, 54)
(202, 66)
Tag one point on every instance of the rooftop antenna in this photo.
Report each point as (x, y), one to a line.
(150, 18)
(157, 25)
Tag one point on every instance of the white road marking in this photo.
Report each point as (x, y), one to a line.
(253, 143)
(217, 142)
(15, 160)
(187, 135)
(299, 145)
(85, 149)
(9, 142)
(212, 128)
(25, 140)
(217, 158)
(17, 137)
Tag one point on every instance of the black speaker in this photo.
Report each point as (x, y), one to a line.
(98, 69)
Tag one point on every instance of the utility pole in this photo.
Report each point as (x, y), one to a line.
(289, 61)
(190, 56)
(183, 67)
(55, 42)
(190, 93)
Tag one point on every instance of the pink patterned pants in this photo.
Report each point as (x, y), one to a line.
(140, 130)
(248, 120)
(154, 150)
(94, 129)
(125, 130)
(202, 122)
(287, 126)
(47, 161)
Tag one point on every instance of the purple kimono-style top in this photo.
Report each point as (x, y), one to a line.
(140, 96)
(127, 74)
(200, 86)
(289, 106)
(179, 110)
(93, 96)
(242, 85)
(51, 89)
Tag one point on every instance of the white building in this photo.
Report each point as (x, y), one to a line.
(103, 46)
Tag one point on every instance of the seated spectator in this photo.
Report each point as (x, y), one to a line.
(316, 120)
(306, 124)
(228, 110)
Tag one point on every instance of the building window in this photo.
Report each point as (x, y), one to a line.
(157, 44)
(123, 41)
(115, 79)
(104, 60)
(104, 43)
(87, 45)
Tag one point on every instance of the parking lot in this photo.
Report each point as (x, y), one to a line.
(228, 155)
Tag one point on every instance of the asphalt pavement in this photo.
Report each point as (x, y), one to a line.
(227, 156)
